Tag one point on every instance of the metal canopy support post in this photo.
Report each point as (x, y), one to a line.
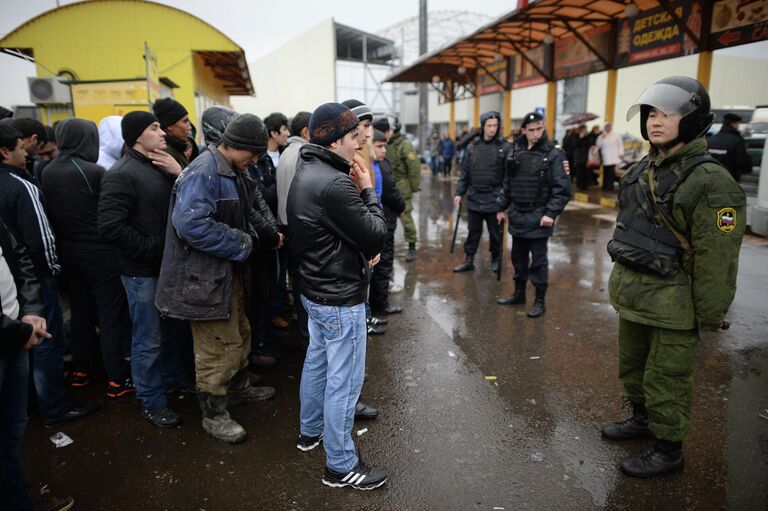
(551, 108)
(507, 115)
(610, 95)
(476, 116)
(704, 72)
(423, 91)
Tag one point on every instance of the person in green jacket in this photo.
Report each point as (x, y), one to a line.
(676, 247)
(406, 169)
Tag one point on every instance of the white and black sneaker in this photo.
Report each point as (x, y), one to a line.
(362, 477)
(307, 443)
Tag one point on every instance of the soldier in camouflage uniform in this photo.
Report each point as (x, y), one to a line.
(406, 169)
(676, 246)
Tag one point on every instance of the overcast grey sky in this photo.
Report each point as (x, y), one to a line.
(258, 26)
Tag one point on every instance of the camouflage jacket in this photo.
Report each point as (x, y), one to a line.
(709, 209)
(406, 167)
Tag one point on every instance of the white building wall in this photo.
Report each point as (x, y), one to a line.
(300, 75)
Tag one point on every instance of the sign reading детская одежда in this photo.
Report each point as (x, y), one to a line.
(655, 35)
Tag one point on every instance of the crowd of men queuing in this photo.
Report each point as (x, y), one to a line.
(178, 259)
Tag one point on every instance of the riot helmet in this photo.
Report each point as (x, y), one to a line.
(676, 94)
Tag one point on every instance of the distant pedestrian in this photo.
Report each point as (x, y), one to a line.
(730, 148)
(611, 147)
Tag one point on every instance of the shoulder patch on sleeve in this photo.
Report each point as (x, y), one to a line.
(726, 220)
(411, 156)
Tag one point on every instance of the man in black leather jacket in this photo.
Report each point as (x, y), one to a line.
(337, 233)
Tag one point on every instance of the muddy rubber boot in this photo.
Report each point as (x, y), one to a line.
(634, 427)
(664, 457)
(242, 392)
(516, 298)
(216, 419)
(538, 308)
(467, 265)
(411, 255)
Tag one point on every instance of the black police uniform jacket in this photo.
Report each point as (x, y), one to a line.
(334, 230)
(482, 173)
(730, 149)
(534, 185)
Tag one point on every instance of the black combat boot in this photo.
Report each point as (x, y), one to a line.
(664, 457)
(216, 419)
(242, 391)
(516, 298)
(495, 263)
(411, 255)
(538, 308)
(634, 427)
(467, 265)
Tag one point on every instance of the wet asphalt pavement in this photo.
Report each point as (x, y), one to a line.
(481, 407)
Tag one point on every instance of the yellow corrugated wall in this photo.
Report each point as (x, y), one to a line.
(104, 40)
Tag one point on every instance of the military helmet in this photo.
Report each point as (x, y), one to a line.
(676, 94)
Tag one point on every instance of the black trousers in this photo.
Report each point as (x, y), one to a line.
(475, 221)
(379, 295)
(447, 163)
(529, 257)
(97, 298)
(609, 176)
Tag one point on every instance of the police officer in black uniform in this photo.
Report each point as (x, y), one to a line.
(729, 147)
(535, 191)
(481, 177)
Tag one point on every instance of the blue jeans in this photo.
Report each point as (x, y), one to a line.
(152, 341)
(47, 359)
(332, 378)
(14, 373)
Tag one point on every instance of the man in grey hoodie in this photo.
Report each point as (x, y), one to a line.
(110, 141)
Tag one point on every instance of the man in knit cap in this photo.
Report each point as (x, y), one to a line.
(205, 271)
(174, 120)
(132, 214)
(336, 226)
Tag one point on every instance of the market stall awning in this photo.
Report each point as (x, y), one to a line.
(555, 39)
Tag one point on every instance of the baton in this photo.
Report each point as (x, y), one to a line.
(456, 228)
(501, 249)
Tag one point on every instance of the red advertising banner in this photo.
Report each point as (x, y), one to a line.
(525, 75)
(655, 35)
(737, 22)
(573, 58)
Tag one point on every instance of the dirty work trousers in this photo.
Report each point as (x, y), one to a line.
(222, 346)
(656, 368)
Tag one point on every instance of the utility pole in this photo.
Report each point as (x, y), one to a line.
(423, 90)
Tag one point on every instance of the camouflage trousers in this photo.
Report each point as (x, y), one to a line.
(656, 368)
(409, 226)
(222, 347)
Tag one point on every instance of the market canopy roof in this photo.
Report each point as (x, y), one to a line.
(557, 39)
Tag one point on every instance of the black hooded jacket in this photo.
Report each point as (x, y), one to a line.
(72, 183)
